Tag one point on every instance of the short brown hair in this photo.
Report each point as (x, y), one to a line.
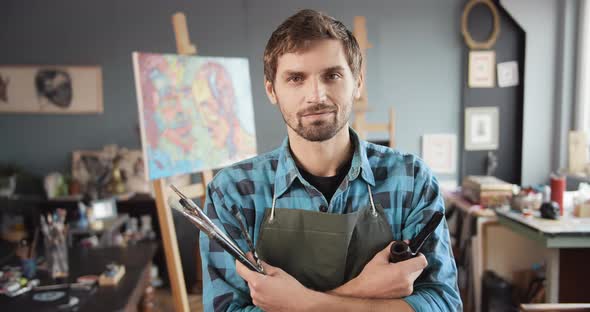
(300, 30)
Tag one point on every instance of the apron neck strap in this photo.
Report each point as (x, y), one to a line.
(272, 211)
(373, 210)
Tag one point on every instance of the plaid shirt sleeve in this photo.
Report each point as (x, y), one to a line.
(223, 288)
(436, 288)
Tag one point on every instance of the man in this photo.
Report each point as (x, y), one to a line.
(324, 208)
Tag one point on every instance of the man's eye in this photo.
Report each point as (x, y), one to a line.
(333, 76)
(295, 79)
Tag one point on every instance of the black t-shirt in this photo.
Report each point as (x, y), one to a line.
(327, 185)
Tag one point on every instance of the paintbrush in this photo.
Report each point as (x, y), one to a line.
(242, 224)
(199, 219)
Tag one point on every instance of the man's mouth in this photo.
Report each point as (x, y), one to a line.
(318, 113)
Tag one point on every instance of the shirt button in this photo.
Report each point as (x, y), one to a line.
(323, 208)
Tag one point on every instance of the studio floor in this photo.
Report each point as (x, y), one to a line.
(163, 301)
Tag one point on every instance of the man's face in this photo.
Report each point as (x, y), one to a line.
(315, 90)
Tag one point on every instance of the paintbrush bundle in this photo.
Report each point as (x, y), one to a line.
(197, 217)
(54, 231)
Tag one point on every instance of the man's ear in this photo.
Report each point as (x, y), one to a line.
(270, 91)
(360, 82)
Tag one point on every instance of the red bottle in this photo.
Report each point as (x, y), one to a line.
(558, 190)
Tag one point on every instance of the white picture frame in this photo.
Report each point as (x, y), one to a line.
(508, 74)
(51, 89)
(481, 73)
(439, 151)
(482, 128)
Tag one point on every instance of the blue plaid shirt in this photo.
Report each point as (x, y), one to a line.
(401, 183)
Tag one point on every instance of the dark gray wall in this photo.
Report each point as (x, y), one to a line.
(509, 101)
(415, 65)
(103, 33)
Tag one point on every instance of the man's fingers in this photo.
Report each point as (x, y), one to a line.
(269, 269)
(422, 260)
(248, 274)
(415, 275)
(265, 265)
(250, 257)
(245, 273)
(385, 252)
(414, 264)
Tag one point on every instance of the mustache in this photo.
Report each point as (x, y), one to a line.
(316, 109)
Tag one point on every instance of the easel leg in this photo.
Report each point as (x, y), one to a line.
(175, 274)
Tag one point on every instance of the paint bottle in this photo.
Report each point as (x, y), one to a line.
(558, 190)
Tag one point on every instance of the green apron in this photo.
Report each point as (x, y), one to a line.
(322, 250)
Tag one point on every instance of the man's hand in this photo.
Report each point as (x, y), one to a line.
(381, 279)
(276, 291)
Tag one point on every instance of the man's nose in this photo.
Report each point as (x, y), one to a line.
(317, 91)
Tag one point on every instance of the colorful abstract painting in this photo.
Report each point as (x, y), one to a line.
(195, 112)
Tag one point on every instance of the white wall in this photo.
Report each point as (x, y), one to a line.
(551, 28)
(583, 82)
(538, 18)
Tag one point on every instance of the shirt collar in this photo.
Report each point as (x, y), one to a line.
(287, 170)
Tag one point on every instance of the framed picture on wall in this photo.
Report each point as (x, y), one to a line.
(481, 128)
(507, 74)
(50, 89)
(93, 168)
(439, 151)
(482, 71)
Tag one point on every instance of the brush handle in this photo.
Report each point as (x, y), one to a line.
(400, 251)
(226, 243)
(431, 225)
(235, 253)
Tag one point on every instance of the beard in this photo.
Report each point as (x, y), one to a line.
(321, 129)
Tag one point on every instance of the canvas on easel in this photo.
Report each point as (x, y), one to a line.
(195, 112)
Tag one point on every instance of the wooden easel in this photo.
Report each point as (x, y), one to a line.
(175, 273)
(361, 106)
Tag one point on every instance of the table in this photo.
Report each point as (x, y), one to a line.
(469, 243)
(564, 233)
(568, 241)
(125, 296)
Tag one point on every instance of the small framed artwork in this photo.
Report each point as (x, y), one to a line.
(439, 151)
(578, 151)
(481, 69)
(93, 168)
(507, 74)
(51, 89)
(481, 128)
